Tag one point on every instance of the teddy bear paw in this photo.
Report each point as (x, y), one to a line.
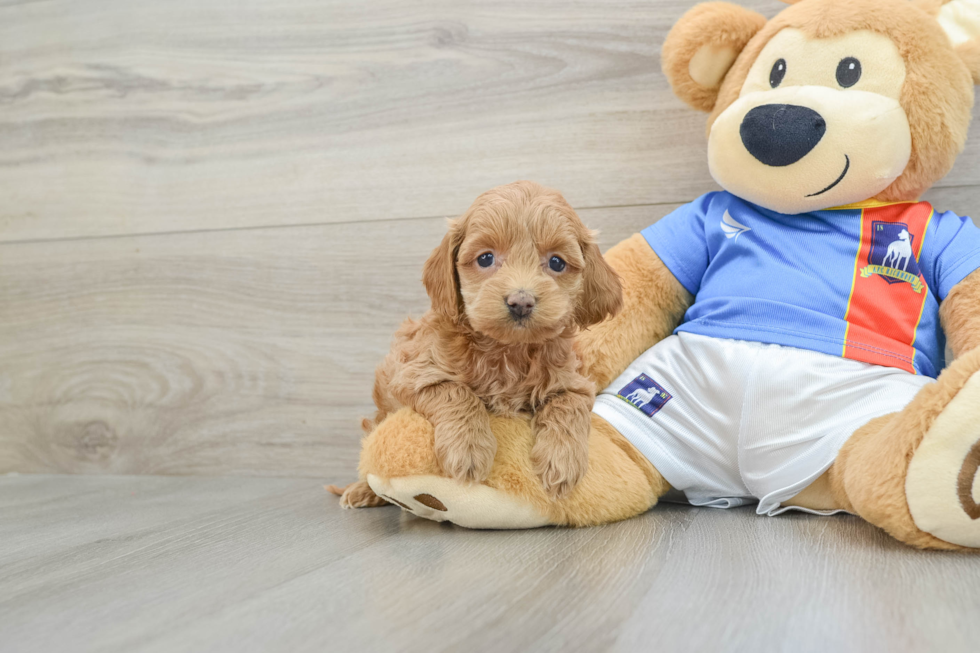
(444, 499)
(942, 486)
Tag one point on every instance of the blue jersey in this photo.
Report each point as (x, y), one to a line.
(862, 281)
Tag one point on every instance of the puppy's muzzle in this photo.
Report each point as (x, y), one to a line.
(520, 304)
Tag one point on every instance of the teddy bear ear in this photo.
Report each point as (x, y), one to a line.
(960, 19)
(703, 45)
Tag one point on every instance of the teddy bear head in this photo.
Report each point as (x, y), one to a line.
(831, 102)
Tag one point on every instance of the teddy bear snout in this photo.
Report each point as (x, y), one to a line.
(781, 134)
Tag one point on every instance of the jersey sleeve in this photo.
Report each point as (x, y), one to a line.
(954, 251)
(680, 241)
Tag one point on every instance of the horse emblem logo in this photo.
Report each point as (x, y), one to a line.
(892, 257)
(645, 394)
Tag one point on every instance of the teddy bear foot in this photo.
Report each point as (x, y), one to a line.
(942, 487)
(443, 499)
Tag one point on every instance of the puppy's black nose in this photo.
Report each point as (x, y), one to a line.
(781, 134)
(520, 304)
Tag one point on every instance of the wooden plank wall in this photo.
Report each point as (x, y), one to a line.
(214, 213)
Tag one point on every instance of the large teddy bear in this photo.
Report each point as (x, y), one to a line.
(780, 340)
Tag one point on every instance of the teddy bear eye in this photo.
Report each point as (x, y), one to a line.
(848, 72)
(485, 259)
(777, 73)
(556, 264)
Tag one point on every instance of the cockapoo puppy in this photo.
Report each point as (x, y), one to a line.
(510, 284)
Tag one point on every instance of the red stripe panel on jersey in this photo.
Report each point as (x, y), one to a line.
(882, 317)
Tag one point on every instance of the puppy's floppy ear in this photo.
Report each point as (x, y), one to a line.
(602, 293)
(702, 46)
(439, 274)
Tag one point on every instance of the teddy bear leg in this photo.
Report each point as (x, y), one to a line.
(914, 473)
(472, 505)
(399, 465)
(398, 462)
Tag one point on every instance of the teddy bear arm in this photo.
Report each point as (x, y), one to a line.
(960, 315)
(654, 302)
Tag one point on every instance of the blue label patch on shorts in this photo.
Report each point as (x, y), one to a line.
(645, 394)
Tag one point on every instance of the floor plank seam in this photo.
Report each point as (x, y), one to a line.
(296, 225)
(300, 225)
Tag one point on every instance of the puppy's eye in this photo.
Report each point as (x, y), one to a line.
(556, 264)
(777, 73)
(848, 72)
(485, 259)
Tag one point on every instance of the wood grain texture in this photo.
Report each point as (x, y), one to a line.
(240, 352)
(138, 116)
(166, 564)
(215, 213)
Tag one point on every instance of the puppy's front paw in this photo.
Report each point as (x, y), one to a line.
(465, 451)
(560, 461)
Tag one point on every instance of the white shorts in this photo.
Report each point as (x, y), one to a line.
(729, 422)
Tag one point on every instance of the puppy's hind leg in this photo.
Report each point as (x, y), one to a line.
(384, 401)
(357, 495)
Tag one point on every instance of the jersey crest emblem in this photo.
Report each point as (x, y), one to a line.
(732, 227)
(645, 394)
(891, 256)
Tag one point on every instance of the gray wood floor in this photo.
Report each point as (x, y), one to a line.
(247, 564)
(215, 214)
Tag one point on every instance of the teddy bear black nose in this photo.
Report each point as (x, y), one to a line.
(781, 134)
